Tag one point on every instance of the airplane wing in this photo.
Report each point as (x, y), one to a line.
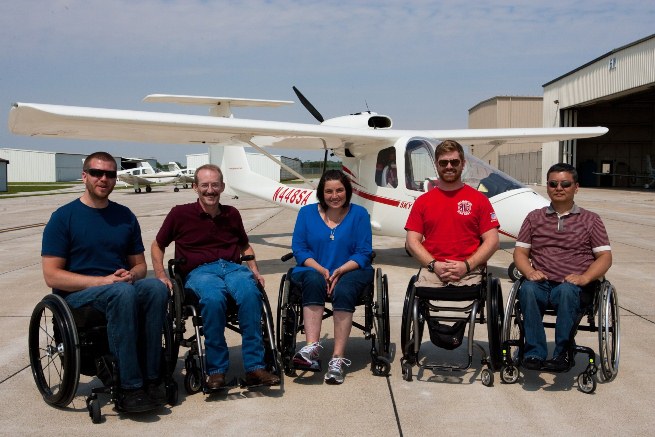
(167, 128)
(133, 180)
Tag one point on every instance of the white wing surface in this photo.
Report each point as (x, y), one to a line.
(167, 128)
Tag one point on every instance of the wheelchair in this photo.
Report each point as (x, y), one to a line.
(600, 309)
(185, 305)
(65, 342)
(436, 307)
(374, 298)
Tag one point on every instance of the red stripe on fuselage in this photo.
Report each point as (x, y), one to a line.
(374, 198)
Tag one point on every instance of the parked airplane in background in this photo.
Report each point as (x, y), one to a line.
(364, 142)
(649, 175)
(185, 175)
(144, 175)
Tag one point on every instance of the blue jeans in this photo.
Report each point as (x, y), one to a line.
(534, 298)
(212, 283)
(345, 293)
(135, 314)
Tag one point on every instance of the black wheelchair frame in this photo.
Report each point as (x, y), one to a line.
(374, 298)
(185, 304)
(600, 309)
(64, 343)
(419, 309)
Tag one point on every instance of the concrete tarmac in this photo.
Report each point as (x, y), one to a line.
(433, 403)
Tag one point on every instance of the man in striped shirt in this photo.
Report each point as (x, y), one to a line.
(560, 249)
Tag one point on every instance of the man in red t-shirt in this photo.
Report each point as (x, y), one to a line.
(452, 230)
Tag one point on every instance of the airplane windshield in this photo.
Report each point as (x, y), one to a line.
(420, 170)
(486, 179)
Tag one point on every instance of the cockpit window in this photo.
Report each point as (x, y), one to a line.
(486, 179)
(386, 173)
(419, 164)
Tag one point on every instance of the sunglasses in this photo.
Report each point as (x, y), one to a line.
(97, 173)
(445, 162)
(563, 184)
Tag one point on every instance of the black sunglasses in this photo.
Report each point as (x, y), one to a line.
(564, 184)
(97, 173)
(445, 162)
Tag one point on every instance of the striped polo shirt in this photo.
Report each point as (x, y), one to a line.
(563, 244)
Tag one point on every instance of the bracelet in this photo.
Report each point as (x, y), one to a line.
(468, 267)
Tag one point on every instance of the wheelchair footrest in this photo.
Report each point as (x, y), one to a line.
(444, 367)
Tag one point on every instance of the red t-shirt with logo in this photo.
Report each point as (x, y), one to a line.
(452, 221)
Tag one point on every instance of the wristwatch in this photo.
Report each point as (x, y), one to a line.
(431, 266)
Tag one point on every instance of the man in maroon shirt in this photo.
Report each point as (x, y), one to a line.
(212, 239)
(560, 249)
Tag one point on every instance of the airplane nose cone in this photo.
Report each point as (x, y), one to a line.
(513, 206)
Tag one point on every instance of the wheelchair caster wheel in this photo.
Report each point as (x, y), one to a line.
(487, 377)
(192, 382)
(509, 374)
(407, 371)
(93, 405)
(380, 366)
(586, 383)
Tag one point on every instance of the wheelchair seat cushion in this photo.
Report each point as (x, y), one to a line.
(450, 293)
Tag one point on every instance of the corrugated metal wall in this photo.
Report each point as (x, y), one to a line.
(508, 112)
(30, 165)
(621, 72)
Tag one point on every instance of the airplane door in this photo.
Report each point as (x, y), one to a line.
(419, 167)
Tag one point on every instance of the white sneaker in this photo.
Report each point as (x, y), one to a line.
(334, 374)
(308, 355)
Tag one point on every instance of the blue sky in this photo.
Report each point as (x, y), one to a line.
(424, 63)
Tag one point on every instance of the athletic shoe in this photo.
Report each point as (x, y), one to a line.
(307, 356)
(334, 374)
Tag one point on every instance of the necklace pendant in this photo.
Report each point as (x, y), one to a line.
(332, 236)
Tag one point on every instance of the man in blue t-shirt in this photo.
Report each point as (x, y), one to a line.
(93, 255)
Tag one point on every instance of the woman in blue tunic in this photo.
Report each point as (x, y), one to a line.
(332, 244)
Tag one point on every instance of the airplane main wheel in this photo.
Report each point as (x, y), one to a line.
(176, 189)
(513, 273)
(148, 189)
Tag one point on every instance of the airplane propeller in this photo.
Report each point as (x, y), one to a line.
(317, 115)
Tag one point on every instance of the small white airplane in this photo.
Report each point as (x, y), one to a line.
(144, 174)
(185, 175)
(364, 141)
(649, 175)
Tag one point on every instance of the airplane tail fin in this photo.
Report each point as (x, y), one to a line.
(172, 166)
(238, 177)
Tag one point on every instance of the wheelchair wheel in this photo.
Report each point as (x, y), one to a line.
(513, 273)
(193, 377)
(408, 335)
(586, 383)
(609, 339)
(54, 350)
(93, 406)
(169, 348)
(175, 311)
(512, 332)
(287, 315)
(268, 336)
(382, 313)
(487, 377)
(495, 318)
(509, 374)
